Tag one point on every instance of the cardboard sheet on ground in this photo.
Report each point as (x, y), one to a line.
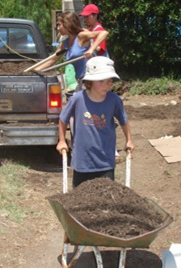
(169, 148)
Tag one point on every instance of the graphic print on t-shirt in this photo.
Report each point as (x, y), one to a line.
(98, 121)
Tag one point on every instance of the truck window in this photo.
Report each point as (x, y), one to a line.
(18, 39)
(3, 37)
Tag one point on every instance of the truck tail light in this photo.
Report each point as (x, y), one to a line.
(54, 96)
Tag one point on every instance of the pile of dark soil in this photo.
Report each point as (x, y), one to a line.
(159, 112)
(17, 68)
(107, 207)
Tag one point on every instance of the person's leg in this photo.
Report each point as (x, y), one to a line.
(117, 156)
(78, 88)
(78, 177)
(116, 152)
(71, 123)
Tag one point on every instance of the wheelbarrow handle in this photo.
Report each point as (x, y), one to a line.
(128, 168)
(60, 52)
(128, 151)
(63, 64)
(65, 174)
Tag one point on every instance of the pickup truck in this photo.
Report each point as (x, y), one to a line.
(30, 102)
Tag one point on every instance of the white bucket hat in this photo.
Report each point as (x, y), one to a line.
(100, 68)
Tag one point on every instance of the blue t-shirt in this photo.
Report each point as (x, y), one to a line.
(74, 52)
(94, 136)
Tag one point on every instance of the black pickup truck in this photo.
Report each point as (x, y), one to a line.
(30, 103)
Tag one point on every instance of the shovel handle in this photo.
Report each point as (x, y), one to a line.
(63, 64)
(45, 60)
(60, 52)
(128, 168)
(65, 174)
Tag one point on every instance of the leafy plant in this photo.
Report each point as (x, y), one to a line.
(38, 11)
(144, 39)
(145, 36)
(154, 86)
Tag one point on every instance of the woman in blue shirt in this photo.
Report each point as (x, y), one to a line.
(78, 42)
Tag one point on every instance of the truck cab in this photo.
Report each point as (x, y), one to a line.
(30, 103)
(21, 36)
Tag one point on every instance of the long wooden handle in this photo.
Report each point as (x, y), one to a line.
(65, 173)
(45, 60)
(63, 64)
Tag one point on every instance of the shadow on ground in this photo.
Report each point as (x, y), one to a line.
(40, 158)
(134, 259)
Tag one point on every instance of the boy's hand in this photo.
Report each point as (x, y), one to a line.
(60, 146)
(129, 145)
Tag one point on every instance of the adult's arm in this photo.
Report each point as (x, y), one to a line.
(98, 36)
(52, 61)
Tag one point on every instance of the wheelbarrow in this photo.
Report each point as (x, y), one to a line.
(76, 234)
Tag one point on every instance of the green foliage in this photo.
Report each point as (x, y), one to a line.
(154, 86)
(144, 35)
(151, 86)
(38, 11)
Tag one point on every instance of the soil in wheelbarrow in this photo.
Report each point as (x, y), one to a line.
(110, 208)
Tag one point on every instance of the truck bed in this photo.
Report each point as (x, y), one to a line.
(30, 103)
(24, 119)
(12, 67)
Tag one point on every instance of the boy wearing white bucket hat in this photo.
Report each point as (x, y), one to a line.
(94, 110)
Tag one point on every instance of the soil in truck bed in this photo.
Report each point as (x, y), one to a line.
(17, 68)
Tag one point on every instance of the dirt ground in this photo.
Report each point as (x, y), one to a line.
(37, 241)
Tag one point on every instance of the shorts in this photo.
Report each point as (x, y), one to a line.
(79, 177)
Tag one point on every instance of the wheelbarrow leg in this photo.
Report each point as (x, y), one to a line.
(64, 255)
(75, 257)
(98, 257)
(122, 258)
(65, 251)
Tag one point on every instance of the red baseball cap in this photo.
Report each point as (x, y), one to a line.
(89, 9)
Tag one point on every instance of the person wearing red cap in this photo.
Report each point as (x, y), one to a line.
(91, 14)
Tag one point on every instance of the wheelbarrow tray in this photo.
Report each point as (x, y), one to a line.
(78, 234)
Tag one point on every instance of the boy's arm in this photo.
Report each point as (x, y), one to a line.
(62, 134)
(127, 134)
